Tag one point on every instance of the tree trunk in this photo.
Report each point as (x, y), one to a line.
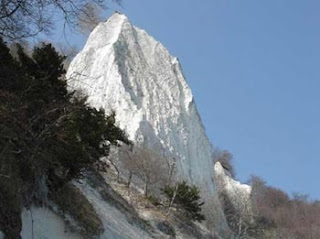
(117, 170)
(146, 186)
(129, 179)
(172, 200)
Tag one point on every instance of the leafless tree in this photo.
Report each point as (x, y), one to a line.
(89, 18)
(146, 164)
(172, 200)
(26, 18)
(114, 159)
(68, 51)
(125, 156)
(171, 165)
(292, 218)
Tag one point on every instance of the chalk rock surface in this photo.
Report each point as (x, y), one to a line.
(124, 69)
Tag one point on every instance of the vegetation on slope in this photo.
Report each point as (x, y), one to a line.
(271, 213)
(187, 198)
(282, 216)
(47, 135)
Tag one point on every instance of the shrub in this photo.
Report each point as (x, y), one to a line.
(186, 197)
(154, 200)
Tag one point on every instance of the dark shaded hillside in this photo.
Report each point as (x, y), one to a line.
(47, 136)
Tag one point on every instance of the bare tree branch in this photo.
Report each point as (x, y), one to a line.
(27, 18)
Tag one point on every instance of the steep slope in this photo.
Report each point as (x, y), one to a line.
(235, 198)
(123, 68)
(124, 216)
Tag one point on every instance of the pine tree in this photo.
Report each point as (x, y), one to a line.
(187, 198)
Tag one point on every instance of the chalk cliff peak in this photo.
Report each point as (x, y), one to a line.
(122, 68)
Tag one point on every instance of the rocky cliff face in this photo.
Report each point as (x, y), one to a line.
(233, 188)
(235, 197)
(122, 216)
(122, 68)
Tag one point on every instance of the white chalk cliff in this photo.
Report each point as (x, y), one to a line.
(238, 194)
(124, 69)
(238, 191)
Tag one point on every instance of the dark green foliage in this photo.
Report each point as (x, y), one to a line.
(9, 71)
(154, 200)
(47, 136)
(43, 82)
(187, 198)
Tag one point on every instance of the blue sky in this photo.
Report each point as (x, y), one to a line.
(253, 67)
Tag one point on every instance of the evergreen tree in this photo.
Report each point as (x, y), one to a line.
(47, 135)
(187, 198)
(8, 69)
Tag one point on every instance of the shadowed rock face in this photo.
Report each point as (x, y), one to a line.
(124, 69)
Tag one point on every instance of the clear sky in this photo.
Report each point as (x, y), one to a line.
(253, 67)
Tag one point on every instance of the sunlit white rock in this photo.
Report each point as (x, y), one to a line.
(232, 187)
(122, 68)
(237, 193)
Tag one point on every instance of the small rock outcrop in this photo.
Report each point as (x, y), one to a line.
(235, 198)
